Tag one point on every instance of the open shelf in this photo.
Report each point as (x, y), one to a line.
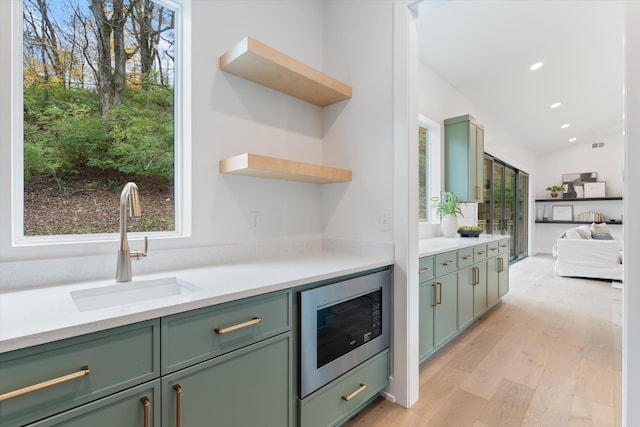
(271, 167)
(588, 199)
(577, 222)
(262, 64)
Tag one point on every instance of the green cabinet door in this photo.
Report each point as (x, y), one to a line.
(464, 154)
(466, 284)
(251, 386)
(503, 274)
(480, 289)
(445, 317)
(427, 296)
(136, 407)
(492, 281)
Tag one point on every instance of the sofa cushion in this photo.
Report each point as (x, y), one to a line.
(602, 236)
(599, 228)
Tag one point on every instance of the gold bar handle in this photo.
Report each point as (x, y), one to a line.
(49, 383)
(251, 322)
(439, 292)
(145, 405)
(480, 252)
(434, 297)
(424, 270)
(478, 192)
(467, 257)
(500, 265)
(504, 246)
(178, 390)
(476, 276)
(447, 263)
(355, 393)
(493, 249)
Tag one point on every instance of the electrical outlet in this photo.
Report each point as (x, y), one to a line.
(384, 221)
(254, 220)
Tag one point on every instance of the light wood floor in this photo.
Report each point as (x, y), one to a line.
(548, 355)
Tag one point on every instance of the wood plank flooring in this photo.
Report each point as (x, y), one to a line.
(550, 354)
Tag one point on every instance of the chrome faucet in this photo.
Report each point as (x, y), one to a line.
(129, 196)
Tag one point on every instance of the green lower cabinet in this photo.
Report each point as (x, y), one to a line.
(335, 403)
(135, 407)
(247, 387)
(492, 281)
(503, 274)
(428, 298)
(466, 283)
(480, 289)
(445, 315)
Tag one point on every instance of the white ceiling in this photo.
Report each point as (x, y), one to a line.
(484, 49)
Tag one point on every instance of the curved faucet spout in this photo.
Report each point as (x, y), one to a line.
(128, 196)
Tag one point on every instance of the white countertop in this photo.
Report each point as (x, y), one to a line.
(437, 245)
(37, 316)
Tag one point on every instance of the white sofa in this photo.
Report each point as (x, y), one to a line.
(587, 257)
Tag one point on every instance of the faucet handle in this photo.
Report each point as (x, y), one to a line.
(140, 254)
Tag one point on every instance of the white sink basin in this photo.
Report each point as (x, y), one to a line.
(131, 292)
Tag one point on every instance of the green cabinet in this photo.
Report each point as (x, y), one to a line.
(247, 387)
(503, 274)
(464, 154)
(427, 301)
(472, 293)
(136, 407)
(445, 319)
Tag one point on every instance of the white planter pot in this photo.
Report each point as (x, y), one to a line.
(449, 225)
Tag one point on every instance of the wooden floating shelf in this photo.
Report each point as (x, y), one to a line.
(270, 167)
(262, 64)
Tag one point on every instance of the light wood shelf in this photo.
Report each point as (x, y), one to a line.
(262, 64)
(271, 167)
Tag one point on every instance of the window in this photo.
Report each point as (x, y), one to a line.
(429, 152)
(104, 101)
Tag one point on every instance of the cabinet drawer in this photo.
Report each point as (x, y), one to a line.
(446, 263)
(479, 253)
(195, 336)
(465, 257)
(492, 249)
(503, 246)
(328, 407)
(116, 359)
(427, 270)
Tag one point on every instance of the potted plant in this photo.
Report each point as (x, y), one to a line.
(447, 207)
(555, 190)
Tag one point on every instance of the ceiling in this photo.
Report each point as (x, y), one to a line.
(484, 49)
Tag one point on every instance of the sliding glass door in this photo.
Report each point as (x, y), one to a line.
(504, 210)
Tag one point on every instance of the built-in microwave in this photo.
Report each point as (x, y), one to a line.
(342, 325)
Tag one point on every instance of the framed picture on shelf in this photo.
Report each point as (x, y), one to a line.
(562, 213)
(595, 189)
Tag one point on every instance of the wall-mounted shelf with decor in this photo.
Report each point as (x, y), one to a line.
(262, 64)
(589, 199)
(271, 167)
(576, 222)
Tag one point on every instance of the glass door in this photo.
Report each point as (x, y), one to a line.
(523, 211)
(498, 204)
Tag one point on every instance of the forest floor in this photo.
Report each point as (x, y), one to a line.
(85, 206)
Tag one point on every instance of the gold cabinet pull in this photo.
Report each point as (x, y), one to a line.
(49, 383)
(355, 393)
(447, 263)
(253, 321)
(480, 252)
(424, 270)
(467, 257)
(434, 298)
(500, 265)
(504, 246)
(476, 276)
(478, 192)
(145, 406)
(439, 292)
(178, 390)
(493, 249)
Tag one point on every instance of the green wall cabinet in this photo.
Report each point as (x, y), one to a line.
(464, 155)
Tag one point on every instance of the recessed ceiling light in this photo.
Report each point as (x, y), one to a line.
(536, 66)
(572, 139)
(566, 125)
(556, 104)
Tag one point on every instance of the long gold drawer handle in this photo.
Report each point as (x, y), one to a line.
(145, 405)
(49, 383)
(424, 270)
(355, 393)
(447, 263)
(253, 321)
(480, 252)
(503, 246)
(178, 390)
(467, 257)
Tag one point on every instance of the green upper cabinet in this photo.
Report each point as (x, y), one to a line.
(464, 153)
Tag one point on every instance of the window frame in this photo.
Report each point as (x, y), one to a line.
(433, 166)
(182, 139)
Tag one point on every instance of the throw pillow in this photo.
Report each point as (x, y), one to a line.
(599, 228)
(584, 231)
(602, 236)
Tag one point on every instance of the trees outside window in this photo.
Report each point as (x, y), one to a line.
(99, 110)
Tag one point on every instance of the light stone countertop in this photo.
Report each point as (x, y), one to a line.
(436, 245)
(36, 316)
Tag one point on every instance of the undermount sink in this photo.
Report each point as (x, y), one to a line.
(130, 292)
